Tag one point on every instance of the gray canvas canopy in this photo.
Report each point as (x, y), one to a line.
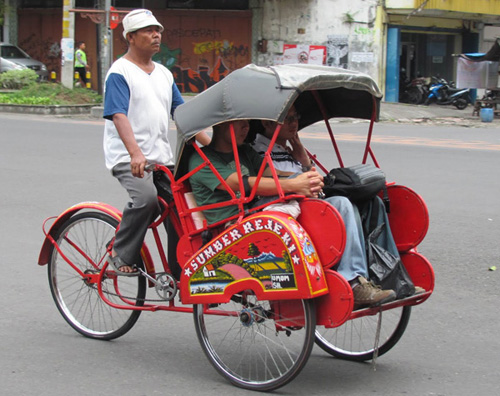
(266, 93)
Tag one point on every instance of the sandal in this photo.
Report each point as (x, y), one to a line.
(116, 263)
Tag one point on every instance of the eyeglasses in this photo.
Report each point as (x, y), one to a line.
(292, 118)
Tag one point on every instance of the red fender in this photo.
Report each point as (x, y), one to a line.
(267, 252)
(409, 217)
(325, 226)
(43, 258)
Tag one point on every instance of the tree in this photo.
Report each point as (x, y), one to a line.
(253, 251)
(287, 261)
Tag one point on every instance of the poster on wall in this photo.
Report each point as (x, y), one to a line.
(301, 53)
(68, 50)
(337, 47)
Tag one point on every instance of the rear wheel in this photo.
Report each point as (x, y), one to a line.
(355, 339)
(83, 239)
(460, 104)
(257, 345)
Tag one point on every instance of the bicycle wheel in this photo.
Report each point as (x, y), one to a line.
(83, 239)
(355, 339)
(257, 345)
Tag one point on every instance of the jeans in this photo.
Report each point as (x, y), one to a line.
(353, 261)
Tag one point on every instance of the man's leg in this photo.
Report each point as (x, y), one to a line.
(353, 265)
(353, 262)
(137, 215)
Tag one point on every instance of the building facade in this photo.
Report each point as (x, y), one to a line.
(204, 40)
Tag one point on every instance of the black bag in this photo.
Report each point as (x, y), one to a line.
(387, 270)
(359, 183)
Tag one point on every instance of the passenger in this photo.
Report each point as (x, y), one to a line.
(207, 189)
(289, 155)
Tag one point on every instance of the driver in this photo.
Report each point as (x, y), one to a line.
(207, 189)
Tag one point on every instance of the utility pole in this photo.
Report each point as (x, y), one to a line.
(68, 44)
(106, 38)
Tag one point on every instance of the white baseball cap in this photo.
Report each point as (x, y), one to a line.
(139, 19)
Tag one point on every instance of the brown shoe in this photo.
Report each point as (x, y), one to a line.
(367, 294)
(419, 290)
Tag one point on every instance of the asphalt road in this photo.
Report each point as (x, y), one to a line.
(451, 346)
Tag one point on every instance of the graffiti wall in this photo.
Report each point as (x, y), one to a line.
(199, 47)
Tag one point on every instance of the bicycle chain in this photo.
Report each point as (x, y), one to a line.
(94, 286)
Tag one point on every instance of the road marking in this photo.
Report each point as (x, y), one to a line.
(407, 141)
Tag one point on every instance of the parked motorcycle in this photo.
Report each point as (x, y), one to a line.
(444, 93)
(415, 91)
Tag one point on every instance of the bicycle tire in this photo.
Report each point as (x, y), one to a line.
(260, 353)
(355, 339)
(78, 301)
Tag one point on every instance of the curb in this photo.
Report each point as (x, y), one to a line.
(47, 110)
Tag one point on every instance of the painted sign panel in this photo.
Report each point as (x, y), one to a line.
(271, 251)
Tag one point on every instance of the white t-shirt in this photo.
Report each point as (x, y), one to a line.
(147, 100)
(282, 159)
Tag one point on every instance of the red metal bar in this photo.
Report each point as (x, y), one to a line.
(368, 149)
(325, 118)
(413, 300)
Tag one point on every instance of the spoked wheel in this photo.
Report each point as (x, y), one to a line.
(82, 239)
(355, 339)
(257, 345)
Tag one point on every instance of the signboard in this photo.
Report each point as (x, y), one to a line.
(114, 18)
(302, 53)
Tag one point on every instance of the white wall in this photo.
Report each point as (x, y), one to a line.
(311, 22)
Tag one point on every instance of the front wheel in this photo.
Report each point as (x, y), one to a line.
(82, 240)
(355, 339)
(257, 345)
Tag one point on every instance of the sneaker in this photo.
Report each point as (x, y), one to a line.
(367, 294)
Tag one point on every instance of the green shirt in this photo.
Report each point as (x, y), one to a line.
(204, 183)
(80, 58)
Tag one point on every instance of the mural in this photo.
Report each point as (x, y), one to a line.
(46, 51)
(227, 57)
(189, 80)
(265, 249)
(200, 48)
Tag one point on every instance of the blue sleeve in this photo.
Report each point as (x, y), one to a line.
(176, 99)
(116, 96)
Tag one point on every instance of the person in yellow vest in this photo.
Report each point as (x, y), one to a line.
(81, 65)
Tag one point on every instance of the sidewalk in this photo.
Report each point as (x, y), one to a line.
(405, 112)
(410, 114)
(389, 112)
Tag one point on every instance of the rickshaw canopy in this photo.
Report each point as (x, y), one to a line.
(267, 93)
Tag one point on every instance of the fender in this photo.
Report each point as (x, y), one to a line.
(268, 252)
(44, 256)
